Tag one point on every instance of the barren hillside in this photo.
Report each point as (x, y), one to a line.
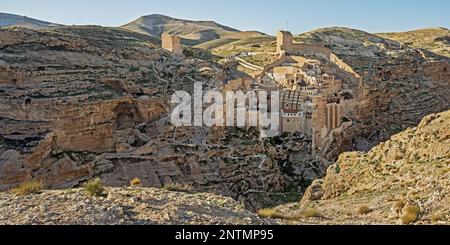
(193, 32)
(436, 40)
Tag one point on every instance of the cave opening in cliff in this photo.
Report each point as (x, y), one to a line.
(124, 121)
(125, 116)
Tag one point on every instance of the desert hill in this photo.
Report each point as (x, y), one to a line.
(191, 31)
(12, 20)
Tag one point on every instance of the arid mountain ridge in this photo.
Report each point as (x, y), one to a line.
(214, 36)
(11, 20)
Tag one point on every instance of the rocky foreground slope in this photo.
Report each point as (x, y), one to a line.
(124, 206)
(405, 180)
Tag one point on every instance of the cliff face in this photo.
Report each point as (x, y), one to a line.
(79, 102)
(77, 90)
(401, 84)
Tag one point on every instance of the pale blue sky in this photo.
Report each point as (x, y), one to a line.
(262, 15)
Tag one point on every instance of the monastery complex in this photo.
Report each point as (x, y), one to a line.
(318, 91)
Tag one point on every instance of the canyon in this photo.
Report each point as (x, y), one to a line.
(78, 102)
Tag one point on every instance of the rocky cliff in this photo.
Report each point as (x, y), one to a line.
(79, 102)
(403, 180)
(401, 84)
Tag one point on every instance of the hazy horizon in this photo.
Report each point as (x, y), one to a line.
(294, 15)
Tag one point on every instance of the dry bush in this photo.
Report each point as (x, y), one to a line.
(28, 188)
(436, 217)
(270, 213)
(363, 209)
(311, 213)
(399, 205)
(135, 182)
(410, 214)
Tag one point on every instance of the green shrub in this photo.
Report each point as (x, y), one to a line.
(337, 169)
(95, 188)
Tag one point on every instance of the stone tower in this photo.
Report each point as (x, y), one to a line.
(284, 41)
(171, 43)
(318, 122)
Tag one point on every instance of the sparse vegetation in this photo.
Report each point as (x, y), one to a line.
(410, 214)
(95, 188)
(337, 169)
(270, 213)
(178, 187)
(273, 213)
(363, 209)
(311, 213)
(436, 217)
(28, 188)
(399, 205)
(292, 194)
